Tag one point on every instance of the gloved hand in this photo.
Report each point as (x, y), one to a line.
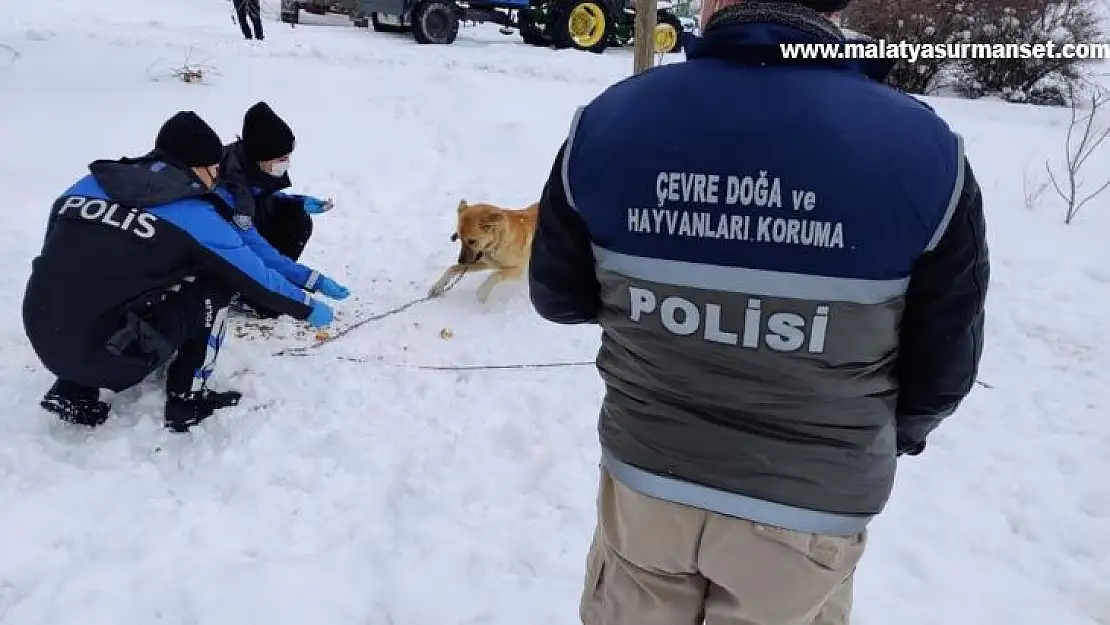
(315, 206)
(321, 314)
(330, 288)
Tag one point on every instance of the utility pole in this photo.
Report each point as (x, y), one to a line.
(644, 50)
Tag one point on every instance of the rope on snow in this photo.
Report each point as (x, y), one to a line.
(515, 365)
(303, 349)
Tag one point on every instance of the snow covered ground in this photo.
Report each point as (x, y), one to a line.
(345, 492)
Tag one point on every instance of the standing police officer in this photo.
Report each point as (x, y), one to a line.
(789, 268)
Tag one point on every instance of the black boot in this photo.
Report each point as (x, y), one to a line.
(74, 403)
(184, 410)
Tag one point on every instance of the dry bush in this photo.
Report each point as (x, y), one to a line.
(1031, 80)
(914, 21)
(982, 23)
(1083, 138)
(189, 71)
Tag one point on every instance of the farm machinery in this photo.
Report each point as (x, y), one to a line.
(590, 25)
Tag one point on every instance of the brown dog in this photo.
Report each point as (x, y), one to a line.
(492, 239)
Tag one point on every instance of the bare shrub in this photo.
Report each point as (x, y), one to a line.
(913, 21)
(189, 71)
(1003, 24)
(1082, 139)
(1033, 192)
(975, 35)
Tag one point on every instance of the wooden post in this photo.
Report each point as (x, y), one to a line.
(644, 51)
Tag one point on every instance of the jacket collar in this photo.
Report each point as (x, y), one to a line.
(254, 176)
(757, 43)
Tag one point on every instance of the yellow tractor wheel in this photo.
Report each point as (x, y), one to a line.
(582, 24)
(668, 34)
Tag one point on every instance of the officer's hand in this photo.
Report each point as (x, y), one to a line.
(315, 206)
(331, 288)
(321, 314)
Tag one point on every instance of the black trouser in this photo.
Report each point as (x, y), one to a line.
(245, 9)
(189, 323)
(287, 228)
(202, 320)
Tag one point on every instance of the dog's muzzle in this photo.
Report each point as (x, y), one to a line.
(463, 259)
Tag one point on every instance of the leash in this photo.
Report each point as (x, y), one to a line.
(515, 365)
(493, 367)
(304, 350)
(329, 338)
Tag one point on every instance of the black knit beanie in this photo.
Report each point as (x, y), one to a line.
(190, 140)
(265, 135)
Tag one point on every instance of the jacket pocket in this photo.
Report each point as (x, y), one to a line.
(832, 553)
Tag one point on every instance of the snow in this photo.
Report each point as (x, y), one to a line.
(350, 487)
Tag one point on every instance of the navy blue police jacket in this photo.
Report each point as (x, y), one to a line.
(788, 263)
(130, 230)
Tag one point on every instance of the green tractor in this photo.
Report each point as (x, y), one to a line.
(591, 25)
(594, 25)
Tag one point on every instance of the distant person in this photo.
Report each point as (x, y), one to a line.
(139, 263)
(789, 273)
(249, 9)
(254, 170)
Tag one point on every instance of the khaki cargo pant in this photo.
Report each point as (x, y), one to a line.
(654, 562)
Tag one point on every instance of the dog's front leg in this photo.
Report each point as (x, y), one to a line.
(493, 280)
(441, 285)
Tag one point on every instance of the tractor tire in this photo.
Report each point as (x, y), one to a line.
(379, 27)
(435, 22)
(581, 24)
(668, 33)
(528, 31)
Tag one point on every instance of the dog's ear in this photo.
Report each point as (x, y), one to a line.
(462, 206)
(491, 221)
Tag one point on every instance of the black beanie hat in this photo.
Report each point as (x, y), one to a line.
(265, 135)
(190, 140)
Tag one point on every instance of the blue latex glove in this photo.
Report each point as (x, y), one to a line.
(321, 314)
(330, 288)
(315, 206)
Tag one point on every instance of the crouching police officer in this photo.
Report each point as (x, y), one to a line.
(138, 266)
(254, 172)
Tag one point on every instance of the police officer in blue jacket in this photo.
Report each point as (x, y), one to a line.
(254, 172)
(788, 263)
(137, 269)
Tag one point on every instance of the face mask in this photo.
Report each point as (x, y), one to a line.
(279, 169)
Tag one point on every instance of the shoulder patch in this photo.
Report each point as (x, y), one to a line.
(243, 221)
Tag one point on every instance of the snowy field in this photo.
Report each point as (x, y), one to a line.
(352, 489)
